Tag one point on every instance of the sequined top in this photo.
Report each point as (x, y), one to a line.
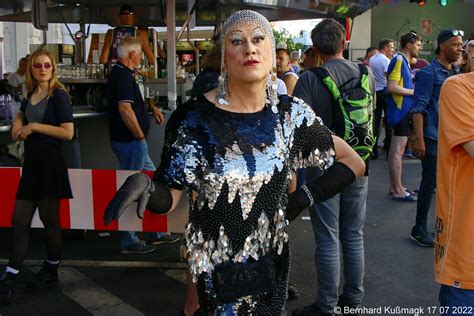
(236, 168)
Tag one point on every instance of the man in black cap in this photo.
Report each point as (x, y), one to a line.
(126, 28)
(425, 122)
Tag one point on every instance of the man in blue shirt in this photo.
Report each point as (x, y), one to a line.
(425, 122)
(129, 124)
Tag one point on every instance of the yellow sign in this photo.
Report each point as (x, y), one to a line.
(183, 46)
(205, 45)
(68, 49)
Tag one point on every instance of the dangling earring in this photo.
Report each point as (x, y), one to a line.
(222, 98)
(272, 92)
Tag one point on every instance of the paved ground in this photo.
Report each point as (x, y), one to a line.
(97, 280)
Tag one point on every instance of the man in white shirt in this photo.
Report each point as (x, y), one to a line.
(17, 79)
(284, 71)
(379, 64)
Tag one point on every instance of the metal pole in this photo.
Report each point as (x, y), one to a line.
(155, 49)
(171, 53)
(83, 42)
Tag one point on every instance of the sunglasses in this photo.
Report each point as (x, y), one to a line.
(127, 13)
(457, 32)
(40, 65)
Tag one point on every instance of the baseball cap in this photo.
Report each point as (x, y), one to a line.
(126, 9)
(282, 45)
(445, 35)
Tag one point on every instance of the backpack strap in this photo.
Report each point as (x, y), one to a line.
(364, 79)
(323, 75)
(363, 70)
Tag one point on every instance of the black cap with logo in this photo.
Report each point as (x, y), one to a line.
(126, 9)
(445, 35)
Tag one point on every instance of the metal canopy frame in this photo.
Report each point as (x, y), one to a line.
(176, 13)
(154, 12)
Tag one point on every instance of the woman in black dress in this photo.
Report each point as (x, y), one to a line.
(234, 151)
(44, 121)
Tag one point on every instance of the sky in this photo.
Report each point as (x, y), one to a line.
(294, 27)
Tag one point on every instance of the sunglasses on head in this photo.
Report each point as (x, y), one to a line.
(40, 65)
(457, 32)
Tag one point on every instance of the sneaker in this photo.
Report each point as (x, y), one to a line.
(421, 236)
(166, 239)
(347, 308)
(46, 276)
(140, 248)
(310, 310)
(292, 291)
(6, 284)
(409, 154)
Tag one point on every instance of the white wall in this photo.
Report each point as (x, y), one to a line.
(15, 46)
(361, 35)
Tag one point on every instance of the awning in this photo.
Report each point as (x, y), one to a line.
(153, 13)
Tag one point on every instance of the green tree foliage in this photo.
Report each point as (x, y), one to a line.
(284, 36)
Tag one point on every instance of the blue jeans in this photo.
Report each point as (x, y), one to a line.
(427, 185)
(133, 156)
(456, 301)
(340, 219)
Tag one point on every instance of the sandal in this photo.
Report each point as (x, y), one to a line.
(414, 192)
(407, 198)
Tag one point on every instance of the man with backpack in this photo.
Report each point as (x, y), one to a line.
(342, 93)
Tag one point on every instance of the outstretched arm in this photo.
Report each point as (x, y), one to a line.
(152, 195)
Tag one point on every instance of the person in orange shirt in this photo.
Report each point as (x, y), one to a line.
(454, 244)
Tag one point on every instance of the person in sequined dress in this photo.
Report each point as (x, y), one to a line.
(233, 151)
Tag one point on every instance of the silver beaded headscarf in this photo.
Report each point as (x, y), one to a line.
(238, 19)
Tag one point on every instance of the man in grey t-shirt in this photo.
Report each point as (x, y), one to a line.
(329, 42)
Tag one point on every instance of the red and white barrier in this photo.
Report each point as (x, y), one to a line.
(92, 190)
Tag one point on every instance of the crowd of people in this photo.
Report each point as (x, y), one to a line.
(260, 141)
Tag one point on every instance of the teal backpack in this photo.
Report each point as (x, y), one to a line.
(356, 105)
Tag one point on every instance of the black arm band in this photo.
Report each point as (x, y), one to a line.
(334, 180)
(160, 200)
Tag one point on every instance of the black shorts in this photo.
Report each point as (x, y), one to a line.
(402, 128)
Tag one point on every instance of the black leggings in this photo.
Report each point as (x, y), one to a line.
(21, 222)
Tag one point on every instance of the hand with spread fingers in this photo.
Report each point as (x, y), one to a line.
(136, 188)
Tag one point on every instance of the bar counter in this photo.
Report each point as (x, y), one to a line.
(90, 148)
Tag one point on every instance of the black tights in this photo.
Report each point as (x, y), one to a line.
(21, 222)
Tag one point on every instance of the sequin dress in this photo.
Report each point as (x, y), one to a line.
(236, 168)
